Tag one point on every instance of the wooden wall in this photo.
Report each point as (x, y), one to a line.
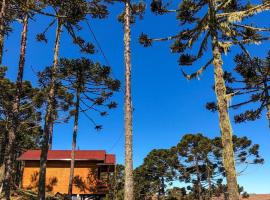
(57, 177)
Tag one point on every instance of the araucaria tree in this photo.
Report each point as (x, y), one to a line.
(28, 129)
(11, 11)
(217, 23)
(128, 191)
(201, 163)
(92, 86)
(193, 151)
(157, 172)
(196, 163)
(67, 14)
(49, 118)
(127, 17)
(3, 13)
(63, 100)
(18, 11)
(252, 82)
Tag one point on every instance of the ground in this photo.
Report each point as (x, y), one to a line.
(253, 197)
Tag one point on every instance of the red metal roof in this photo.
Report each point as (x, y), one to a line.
(99, 155)
(110, 159)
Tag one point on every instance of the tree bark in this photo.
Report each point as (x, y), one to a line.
(49, 118)
(74, 139)
(2, 171)
(50, 138)
(265, 85)
(3, 147)
(128, 188)
(209, 175)
(2, 27)
(268, 114)
(22, 55)
(199, 180)
(16, 106)
(222, 104)
(225, 125)
(162, 187)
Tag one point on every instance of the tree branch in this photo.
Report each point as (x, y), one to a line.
(199, 72)
(239, 15)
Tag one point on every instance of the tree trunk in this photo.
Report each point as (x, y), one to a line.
(209, 175)
(49, 118)
(2, 27)
(75, 130)
(265, 85)
(163, 186)
(13, 127)
(222, 104)
(128, 188)
(225, 126)
(2, 158)
(2, 171)
(50, 137)
(268, 114)
(22, 56)
(199, 180)
(3, 147)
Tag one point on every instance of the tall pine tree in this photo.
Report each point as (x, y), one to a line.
(216, 22)
(27, 131)
(128, 191)
(67, 15)
(20, 11)
(49, 118)
(92, 86)
(2, 27)
(128, 17)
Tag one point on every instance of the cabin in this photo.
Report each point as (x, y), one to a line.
(92, 172)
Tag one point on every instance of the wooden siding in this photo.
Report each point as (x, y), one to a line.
(57, 177)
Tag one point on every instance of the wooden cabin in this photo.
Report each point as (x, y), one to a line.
(91, 173)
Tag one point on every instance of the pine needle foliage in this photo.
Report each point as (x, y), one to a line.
(29, 129)
(195, 163)
(194, 14)
(250, 86)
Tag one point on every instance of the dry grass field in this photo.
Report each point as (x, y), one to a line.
(259, 197)
(253, 197)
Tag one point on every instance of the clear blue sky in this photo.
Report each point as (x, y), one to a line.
(167, 106)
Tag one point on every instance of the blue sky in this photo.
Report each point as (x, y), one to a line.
(167, 106)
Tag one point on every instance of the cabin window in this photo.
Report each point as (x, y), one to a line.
(103, 173)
